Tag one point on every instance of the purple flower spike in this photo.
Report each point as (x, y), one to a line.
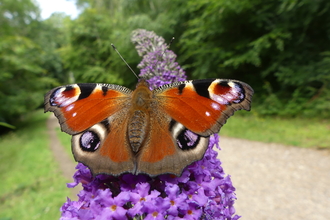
(203, 191)
(158, 64)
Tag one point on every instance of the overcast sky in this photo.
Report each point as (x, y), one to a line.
(49, 6)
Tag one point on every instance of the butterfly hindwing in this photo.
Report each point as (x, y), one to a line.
(163, 152)
(104, 147)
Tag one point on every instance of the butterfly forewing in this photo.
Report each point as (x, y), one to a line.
(203, 106)
(80, 106)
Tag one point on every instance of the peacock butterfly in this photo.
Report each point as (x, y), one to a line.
(115, 130)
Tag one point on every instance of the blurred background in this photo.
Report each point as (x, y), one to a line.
(280, 47)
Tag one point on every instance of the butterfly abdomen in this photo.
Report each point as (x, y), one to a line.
(138, 121)
(137, 129)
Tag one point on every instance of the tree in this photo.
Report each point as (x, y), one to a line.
(90, 56)
(27, 59)
(280, 47)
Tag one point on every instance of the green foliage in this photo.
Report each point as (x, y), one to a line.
(28, 59)
(300, 132)
(279, 47)
(31, 185)
(90, 56)
(19, 74)
(7, 125)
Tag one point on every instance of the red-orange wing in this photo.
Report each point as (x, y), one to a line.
(80, 106)
(203, 106)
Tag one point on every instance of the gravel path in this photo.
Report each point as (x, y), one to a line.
(273, 182)
(277, 182)
(65, 161)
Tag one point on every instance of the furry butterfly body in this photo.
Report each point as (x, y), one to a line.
(115, 130)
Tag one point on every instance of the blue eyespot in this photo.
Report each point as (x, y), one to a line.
(89, 141)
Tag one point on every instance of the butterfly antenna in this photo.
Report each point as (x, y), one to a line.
(113, 46)
(169, 45)
(173, 38)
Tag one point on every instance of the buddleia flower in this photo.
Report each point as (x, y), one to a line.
(203, 191)
(158, 63)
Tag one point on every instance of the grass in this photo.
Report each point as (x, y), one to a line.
(301, 132)
(32, 186)
(65, 140)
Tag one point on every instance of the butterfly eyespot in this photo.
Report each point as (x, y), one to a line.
(89, 141)
(53, 98)
(64, 96)
(187, 140)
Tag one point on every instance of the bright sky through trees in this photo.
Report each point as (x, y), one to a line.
(50, 6)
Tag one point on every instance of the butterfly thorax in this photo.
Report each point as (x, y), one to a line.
(138, 122)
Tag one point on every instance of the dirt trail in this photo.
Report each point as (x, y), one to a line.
(277, 182)
(65, 161)
(273, 182)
